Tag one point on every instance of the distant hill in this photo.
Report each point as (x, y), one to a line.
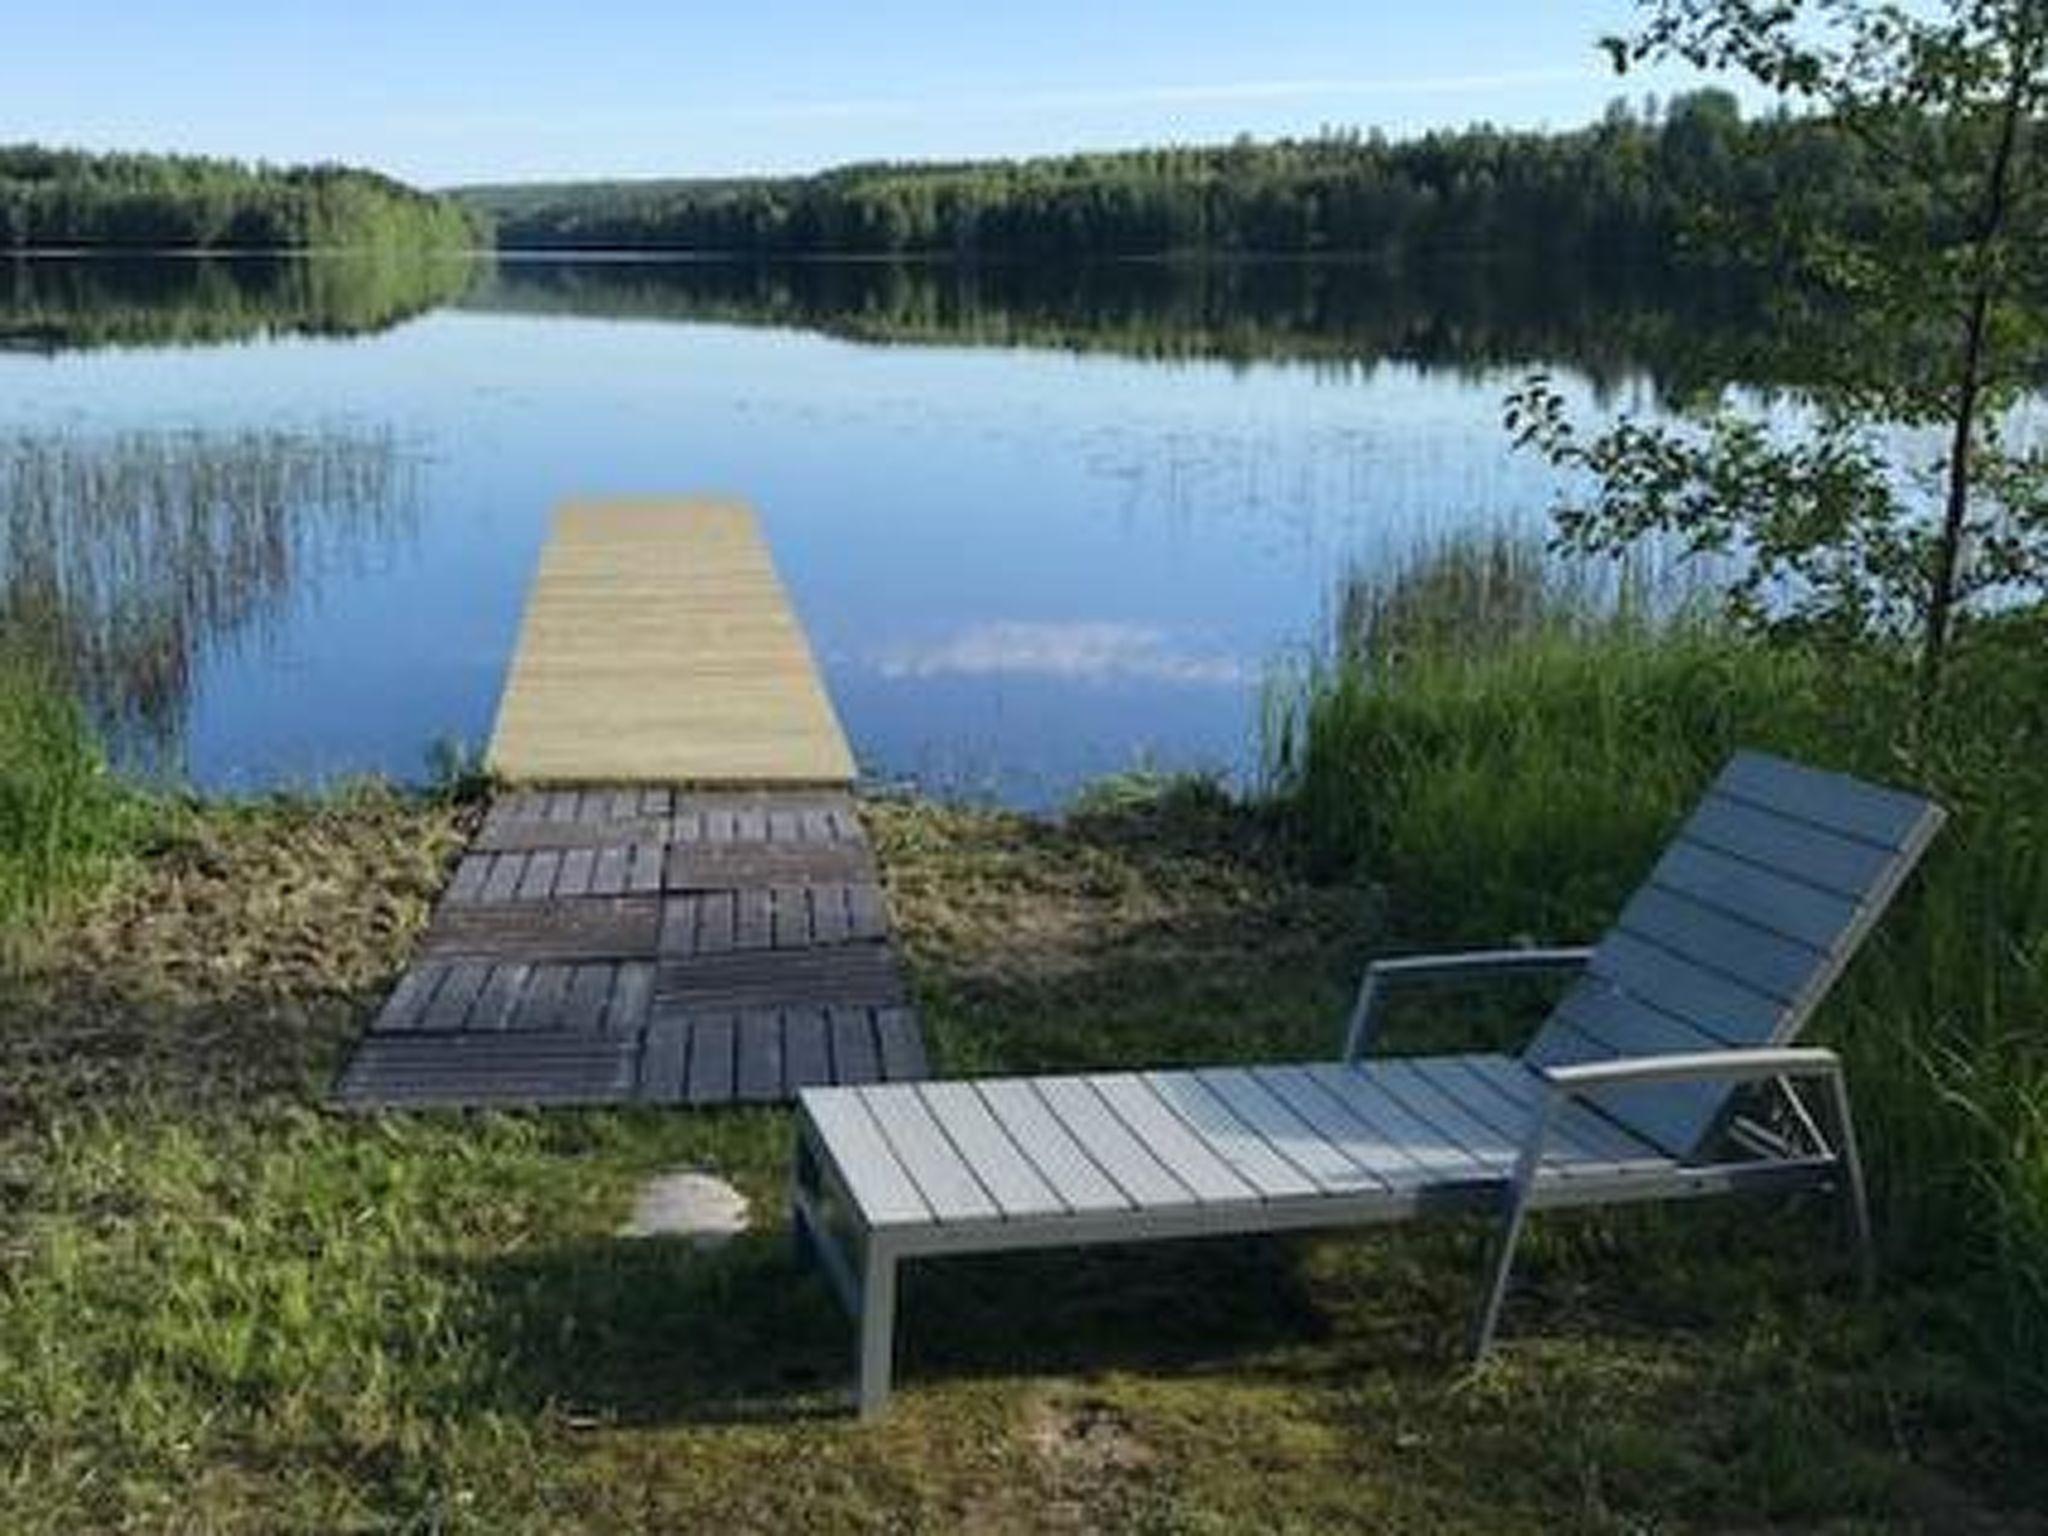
(74, 198)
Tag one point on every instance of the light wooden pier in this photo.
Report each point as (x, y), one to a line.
(680, 905)
(659, 647)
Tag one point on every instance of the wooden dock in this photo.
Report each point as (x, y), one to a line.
(699, 919)
(660, 648)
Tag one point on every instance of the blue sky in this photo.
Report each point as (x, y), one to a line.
(440, 91)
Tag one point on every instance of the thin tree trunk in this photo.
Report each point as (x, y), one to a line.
(1948, 552)
(1948, 555)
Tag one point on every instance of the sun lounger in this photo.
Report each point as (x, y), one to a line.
(1633, 1088)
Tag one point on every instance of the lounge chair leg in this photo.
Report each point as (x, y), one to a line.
(804, 1181)
(1854, 1194)
(1506, 1237)
(877, 1327)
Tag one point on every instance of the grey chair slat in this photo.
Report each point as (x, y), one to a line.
(1506, 1118)
(1167, 1137)
(1325, 1114)
(1060, 1160)
(1836, 801)
(1286, 1131)
(877, 1182)
(948, 1185)
(1250, 1155)
(1745, 922)
(1486, 1143)
(1789, 846)
(1386, 1121)
(1580, 1142)
(1595, 1023)
(1110, 1145)
(1004, 1171)
(1730, 1010)
(1626, 1025)
(1768, 899)
(1779, 967)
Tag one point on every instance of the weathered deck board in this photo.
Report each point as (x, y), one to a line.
(556, 972)
(659, 647)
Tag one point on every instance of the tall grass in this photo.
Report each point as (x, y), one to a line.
(132, 557)
(63, 820)
(1508, 757)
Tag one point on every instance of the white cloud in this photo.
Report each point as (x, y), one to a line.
(1084, 651)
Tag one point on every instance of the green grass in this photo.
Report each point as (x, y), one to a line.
(63, 821)
(224, 1309)
(1520, 785)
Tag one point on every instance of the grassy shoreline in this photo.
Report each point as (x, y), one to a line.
(225, 1308)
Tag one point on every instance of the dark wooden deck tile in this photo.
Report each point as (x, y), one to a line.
(458, 990)
(556, 970)
(580, 928)
(665, 1061)
(900, 1043)
(855, 1058)
(806, 1049)
(757, 1075)
(713, 866)
(712, 1042)
(853, 974)
(410, 998)
(455, 1070)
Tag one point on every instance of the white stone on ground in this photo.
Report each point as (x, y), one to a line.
(687, 1204)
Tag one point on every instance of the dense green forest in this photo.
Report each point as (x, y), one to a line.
(70, 198)
(1623, 191)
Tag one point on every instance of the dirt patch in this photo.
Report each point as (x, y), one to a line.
(1087, 1437)
(235, 955)
(1091, 1461)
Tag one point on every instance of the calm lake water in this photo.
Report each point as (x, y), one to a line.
(1040, 526)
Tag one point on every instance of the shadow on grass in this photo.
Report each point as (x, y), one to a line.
(649, 1332)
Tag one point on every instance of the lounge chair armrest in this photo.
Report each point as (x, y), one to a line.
(1404, 969)
(1738, 1065)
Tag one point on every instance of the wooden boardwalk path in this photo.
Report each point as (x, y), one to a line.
(699, 920)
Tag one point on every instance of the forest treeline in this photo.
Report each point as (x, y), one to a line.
(1625, 190)
(72, 198)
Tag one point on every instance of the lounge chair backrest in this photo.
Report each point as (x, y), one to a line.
(1738, 933)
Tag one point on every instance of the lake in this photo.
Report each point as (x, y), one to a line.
(1041, 526)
